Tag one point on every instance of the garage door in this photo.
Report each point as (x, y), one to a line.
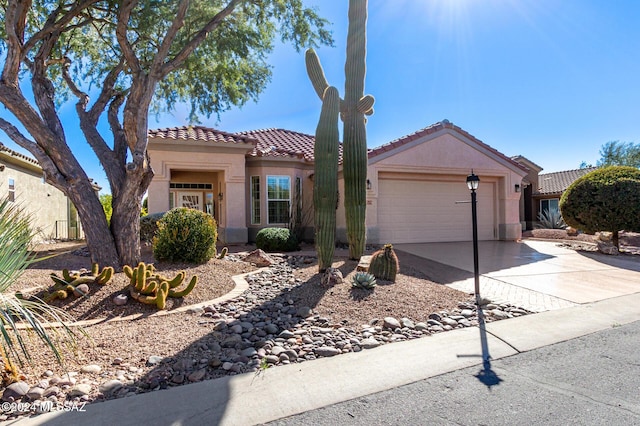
(412, 211)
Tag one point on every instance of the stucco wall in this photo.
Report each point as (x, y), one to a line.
(275, 168)
(445, 155)
(226, 164)
(44, 202)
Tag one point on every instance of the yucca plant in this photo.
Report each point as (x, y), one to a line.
(363, 280)
(19, 317)
(551, 219)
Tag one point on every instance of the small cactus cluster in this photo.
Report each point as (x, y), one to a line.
(76, 282)
(151, 288)
(223, 253)
(384, 263)
(363, 280)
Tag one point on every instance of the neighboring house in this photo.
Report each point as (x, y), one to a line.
(551, 186)
(22, 181)
(416, 185)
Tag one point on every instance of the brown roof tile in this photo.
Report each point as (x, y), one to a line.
(445, 124)
(200, 133)
(18, 155)
(283, 143)
(558, 182)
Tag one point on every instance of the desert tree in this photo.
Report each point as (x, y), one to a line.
(616, 153)
(121, 61)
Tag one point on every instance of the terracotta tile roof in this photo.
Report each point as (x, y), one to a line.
(445, 124)
(200, 133)
(558, 182)
(16, 154)
(283, 143)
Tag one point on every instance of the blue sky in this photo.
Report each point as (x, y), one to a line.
(552, 80)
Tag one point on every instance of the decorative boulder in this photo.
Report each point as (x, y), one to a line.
(259, 258)
(607, 248)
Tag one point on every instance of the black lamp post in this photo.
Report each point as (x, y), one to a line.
(472, 182)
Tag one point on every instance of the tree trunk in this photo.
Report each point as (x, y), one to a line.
(100, 241)
(125, 219)
(615, 239)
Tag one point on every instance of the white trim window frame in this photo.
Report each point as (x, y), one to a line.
(255, 200)
(549, 205)
(278, 200)
(11, 195)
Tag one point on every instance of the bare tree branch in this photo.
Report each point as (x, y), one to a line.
(15, 22)
(121, 34)
(53, 174)
(165, 46)
(197, 39)
(54, 25)
(106, 94)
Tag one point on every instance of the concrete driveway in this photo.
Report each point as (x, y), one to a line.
(538, 275)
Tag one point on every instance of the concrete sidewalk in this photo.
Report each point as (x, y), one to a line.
(250, 399)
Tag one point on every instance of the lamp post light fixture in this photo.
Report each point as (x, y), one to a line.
(472, 183)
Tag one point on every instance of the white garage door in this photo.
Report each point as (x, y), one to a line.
(412, 211)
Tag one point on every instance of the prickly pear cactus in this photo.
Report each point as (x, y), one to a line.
(384, 263)
(352, 110)
(147, 286)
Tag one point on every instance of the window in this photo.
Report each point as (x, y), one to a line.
(12, 190)
(549, 206)
(255, 200)
(278, 198)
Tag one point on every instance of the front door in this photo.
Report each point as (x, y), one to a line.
(189, 199)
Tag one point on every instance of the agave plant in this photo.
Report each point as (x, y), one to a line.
(551, 219)
(363, 280)
(19, 317)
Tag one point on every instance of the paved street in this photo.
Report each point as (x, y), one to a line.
(591, 380)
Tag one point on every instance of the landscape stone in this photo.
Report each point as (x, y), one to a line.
(110, 386)
(91, 368)
(80, 389)
(369, 343)
(259, 258)
(391, 323)
(120, 299)
(154, 359)
(327, 351)
(15, 391)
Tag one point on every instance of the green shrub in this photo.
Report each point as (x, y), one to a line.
(276, 239)
(185, 235)
(149, 226)
(606, 199)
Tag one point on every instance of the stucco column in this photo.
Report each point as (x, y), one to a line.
(233, 223)
(158, 194)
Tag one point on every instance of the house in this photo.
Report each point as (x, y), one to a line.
(416, 190)
(542, 192)
(22, 181)
(551, 186)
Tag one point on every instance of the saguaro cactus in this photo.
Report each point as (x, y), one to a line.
(352, 110)
(325, 183)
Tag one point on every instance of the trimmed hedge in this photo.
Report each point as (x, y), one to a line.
(276, 239)
(186, 235)
(606, 199)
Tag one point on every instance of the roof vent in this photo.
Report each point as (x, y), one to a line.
(445, 121)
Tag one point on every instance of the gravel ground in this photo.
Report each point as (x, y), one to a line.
(412, 295)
